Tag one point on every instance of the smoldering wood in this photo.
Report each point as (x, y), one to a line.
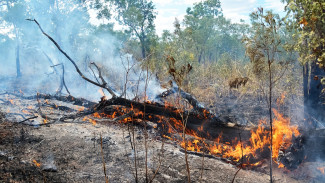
(188, 97)
(212, 125)
(75, 101)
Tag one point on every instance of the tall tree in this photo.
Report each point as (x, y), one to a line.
(12, 12)
(307, 17)
(200, 22)
(138, 16)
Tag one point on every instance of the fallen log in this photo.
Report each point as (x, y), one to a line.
(212, 125)
(75, 101)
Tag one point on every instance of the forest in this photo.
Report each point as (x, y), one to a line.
(92, 91)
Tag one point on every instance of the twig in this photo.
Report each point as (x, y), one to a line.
(63, 81)
(127, 157)
(28, 119)
(242, 159)
(104, 167)
(159, 160)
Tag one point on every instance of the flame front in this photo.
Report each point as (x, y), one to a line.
(249, 151)
(258, 142)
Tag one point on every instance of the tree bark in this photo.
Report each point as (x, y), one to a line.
(313, 102)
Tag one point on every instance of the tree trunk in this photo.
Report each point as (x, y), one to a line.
(143, 49)
(313, 102)
(18, 62)
(271, 120)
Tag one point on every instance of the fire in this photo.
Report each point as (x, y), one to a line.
(44, 121)
(237, 150)
(280, 100)
(82, 108)
(321, 169)
(96, 115)
(258, 142)
(283, 132)
(26, 112)
(90, 120)
(36, 163)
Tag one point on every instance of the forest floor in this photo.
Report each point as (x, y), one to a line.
(71, 152)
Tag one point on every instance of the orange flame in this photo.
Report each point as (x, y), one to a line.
(36, 163)
(82, 108)
(321, 169)
(90, 120)
(26, 112)
(259, 140)
(280, 101)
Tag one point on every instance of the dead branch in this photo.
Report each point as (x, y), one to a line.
(76, 101)
(103, 159)
(72, 61)
(33, 117)
(62, 79)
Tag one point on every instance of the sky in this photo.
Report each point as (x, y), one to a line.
(235, 10)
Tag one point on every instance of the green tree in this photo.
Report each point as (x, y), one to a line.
(138, 16)
(200, 22)
(308, 18)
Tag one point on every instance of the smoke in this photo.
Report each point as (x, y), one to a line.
(67, 22)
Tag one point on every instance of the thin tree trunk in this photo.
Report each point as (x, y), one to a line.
(305, 88)
(18, 62)
(143, 48)
(271, 120)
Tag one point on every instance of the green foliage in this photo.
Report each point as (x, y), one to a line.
(139, 17)
(308, 17)
(266, 45)
(200, 25)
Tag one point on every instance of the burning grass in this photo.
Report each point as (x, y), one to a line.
(252, 152)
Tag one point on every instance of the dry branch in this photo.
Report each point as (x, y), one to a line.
(104, 85)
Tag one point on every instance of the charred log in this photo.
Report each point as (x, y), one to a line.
(75, 101)
(188, 97)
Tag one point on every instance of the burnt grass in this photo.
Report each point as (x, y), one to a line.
(14, 138)
(74, 149)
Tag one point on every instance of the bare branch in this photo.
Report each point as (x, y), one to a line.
(72, 61)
